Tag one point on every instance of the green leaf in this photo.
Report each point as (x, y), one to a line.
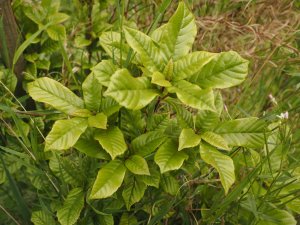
(70, 211)
(56, 32)
(112, 140)
(98, 121)
(133, 192)
(58, 18)
(132, 93)
(215, 140)
(65, 133)
(190, 64)
(275, 216)
(226, 70)
(108, 180)
(91, 148)
(109, 106)
(222, 163)
(137, 165)
(153, 179)
(169, 184)
(159, 79)
(147, 143)
(168, 157)
(193, 96)
(206, 120)
(42, 218)
(106, 220)
(188, 139)
(179, 33)
(128, 219)
(146, 48)
(92, 92)
(55, 94)
(246, 132)
(103, 71)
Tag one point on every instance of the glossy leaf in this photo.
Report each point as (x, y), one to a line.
(137, 165)
(98, 121)
(69, 213)
(65, 133)
(132, 93)
(168, 157)
(55, 94)
(133, 192)
(112, 140)
(215, 140)
(246, 132)
(103, 71)
(108, 180)
(222, 163)
(226, 70)
(179, 33)
(193, 96)
(92, 93)
(188, 139)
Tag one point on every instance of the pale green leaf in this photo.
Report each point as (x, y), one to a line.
(65, 133)
(56, 32)
(275, 216)
(222, 163)
(103, 71)
(188, 139)
(206, 120)
(179, 33)
(92, 92)
(159, 79)
(55, 94)
(193, 96)
(190, 64)
(168, 157)
(69, 213)
(91, 148)
(132, 93)
(109, 106)
(137, 165)
(98, 121)
(146, 48)
(226, 70)
(147, 143)
(133, 192)
(215, 140)
(42, 218)
(108, 180)
(128, 219)
(245, 132)
(58, 18)
(153, 179)
(112, 140)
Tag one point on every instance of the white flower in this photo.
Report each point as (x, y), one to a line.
(284, 115)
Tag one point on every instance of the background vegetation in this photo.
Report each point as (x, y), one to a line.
(34, 184)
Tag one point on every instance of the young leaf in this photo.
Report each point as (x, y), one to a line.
(147, 143)
(55, 94)
(190, 64)
(65, 133)
(133, 192)
(132, 93)
(215, 140)
(246, 132)
(168, 157)
(193, 96)
(70, 211)
(92, 91)
(159, 79)
(188, 139)
(179, 33)
(103, 71)
(108, 180)
(137, 165)
(222, 163)
(112, 140)
(42, 218)
(226, 70)
(147, 49)
(98, 121)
